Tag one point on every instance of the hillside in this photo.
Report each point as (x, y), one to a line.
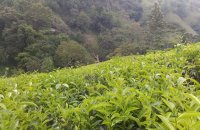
(184, 13)
(159, 90)
(43, 35)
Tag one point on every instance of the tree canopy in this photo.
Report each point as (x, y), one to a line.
(40, 35)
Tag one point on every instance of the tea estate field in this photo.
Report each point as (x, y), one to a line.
(158, 91)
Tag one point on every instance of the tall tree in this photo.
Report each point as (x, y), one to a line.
(156, 34)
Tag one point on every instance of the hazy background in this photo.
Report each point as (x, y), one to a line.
(42, 35)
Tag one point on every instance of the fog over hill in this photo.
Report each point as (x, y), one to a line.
(185, 13)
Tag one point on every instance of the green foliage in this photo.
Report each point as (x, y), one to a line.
(128, 49)
(28, 62)
(47, 64)
(71, 53)
(35, 13)
(157, 29)
(155, 91)
(103, 21)
(3, 56)
(81, 22)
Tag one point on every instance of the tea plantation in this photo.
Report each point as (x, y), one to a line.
(158, 91)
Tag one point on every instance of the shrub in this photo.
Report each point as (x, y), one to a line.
(71, 53)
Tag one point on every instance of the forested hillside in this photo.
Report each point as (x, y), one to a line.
(158, 91)
(41, 35)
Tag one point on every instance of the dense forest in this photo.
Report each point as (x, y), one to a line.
(41, 35)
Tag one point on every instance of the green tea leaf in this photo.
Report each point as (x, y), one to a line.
(169, 104)
(189, 114)
(3, 106)
(166, 122)
(193, 97)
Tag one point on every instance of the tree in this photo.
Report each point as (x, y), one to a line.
(91, 44)
(103, 21)
(3, 56)
(106, 45)
(81, 22)
(112, 39)
(156, 32)
(37, 56)
(15, 39)
(70, 53)
(28, 62)
(128, 49)
(39, 16)
(47, 64)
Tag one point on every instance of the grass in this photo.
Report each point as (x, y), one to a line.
(160, 90)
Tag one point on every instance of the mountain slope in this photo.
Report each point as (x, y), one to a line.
(35, 34)
(175, 19)
(155, 91)
(187, 12)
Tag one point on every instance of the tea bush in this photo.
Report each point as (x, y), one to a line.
(160, 90)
